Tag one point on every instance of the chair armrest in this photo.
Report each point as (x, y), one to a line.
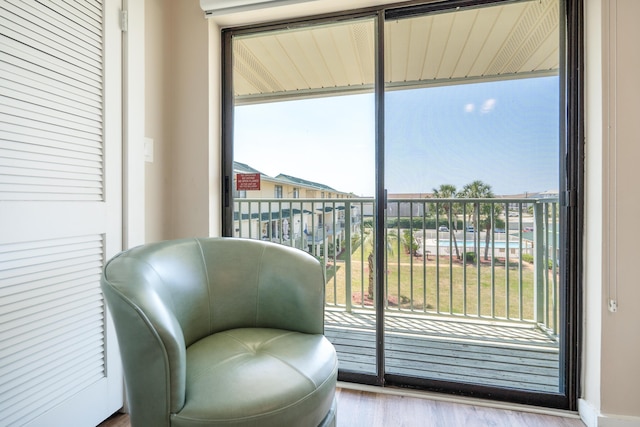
(151, 342)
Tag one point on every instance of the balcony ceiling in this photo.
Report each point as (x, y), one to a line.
(513, 40)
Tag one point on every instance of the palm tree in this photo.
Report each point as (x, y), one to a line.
(479, 190)
(448, 191)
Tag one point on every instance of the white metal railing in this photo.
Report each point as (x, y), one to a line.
(483, 258)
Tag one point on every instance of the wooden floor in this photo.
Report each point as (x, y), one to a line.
(502, 354)
(366, 409)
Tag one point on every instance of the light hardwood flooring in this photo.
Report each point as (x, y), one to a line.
(358, 408)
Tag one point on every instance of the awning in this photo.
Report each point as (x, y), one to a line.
(511, 40)
(270, 216)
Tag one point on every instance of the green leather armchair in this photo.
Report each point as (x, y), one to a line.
(222, 332)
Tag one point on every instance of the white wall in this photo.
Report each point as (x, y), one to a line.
(594, 220)
(215, 137)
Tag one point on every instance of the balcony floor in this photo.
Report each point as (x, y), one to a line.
(492, 353)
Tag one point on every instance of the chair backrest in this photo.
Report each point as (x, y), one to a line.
(165, 296)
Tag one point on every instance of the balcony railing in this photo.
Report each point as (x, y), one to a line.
(494, 259)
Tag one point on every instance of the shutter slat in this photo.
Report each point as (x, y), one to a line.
(39, 272)
(48, 116)
(16, 176)
(45, 259)
(35, 367)
(24, 312)
(52, 168)
(81, 326)
(30, 149)
(53, 392)
(30, 137)
(42, 130)
(44, 285)
(28, 248)
(84, 37)
(46, 196)
(34, 100)
(33, 341)
(62, 165)
(40, 125)
(74, 16)
(15, 294)
(26, 57)
(46, 37)
(16, 73)
(38, 52)
(60, 193)
(86, 8)
(17, 251)
(43, 331)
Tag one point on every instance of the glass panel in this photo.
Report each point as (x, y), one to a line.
(471, 169)
(304, 173)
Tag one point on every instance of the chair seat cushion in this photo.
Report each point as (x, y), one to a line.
(261, 377)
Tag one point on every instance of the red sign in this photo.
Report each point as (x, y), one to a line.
(247, 181)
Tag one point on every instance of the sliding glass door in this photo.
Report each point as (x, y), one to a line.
(304, 160)
(419, 154)
(472, 155)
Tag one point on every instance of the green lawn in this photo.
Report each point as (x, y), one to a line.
(432, 286)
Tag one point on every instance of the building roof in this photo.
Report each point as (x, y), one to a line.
(295, 180)
(244, 168)
(284, 179)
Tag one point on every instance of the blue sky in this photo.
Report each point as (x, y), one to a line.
(504, 133)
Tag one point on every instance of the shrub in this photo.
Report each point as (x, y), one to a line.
(410, 244)
(470, 257)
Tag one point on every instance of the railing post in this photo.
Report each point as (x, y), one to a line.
(539, 262)
(347, 258)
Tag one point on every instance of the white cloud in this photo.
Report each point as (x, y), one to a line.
(469, 108)
(488, 106)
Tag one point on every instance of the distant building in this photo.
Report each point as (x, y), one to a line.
(307, 224)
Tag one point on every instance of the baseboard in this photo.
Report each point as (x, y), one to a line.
(592, 417)
(588, 413)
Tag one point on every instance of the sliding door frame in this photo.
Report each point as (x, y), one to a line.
(571, 166)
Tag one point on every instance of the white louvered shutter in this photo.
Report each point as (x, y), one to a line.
(60, 209)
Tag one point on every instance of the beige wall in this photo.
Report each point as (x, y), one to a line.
(620, 369)
(158, 176)
(182, 117)
(190, 120)
(188, 199)
(611, 372)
